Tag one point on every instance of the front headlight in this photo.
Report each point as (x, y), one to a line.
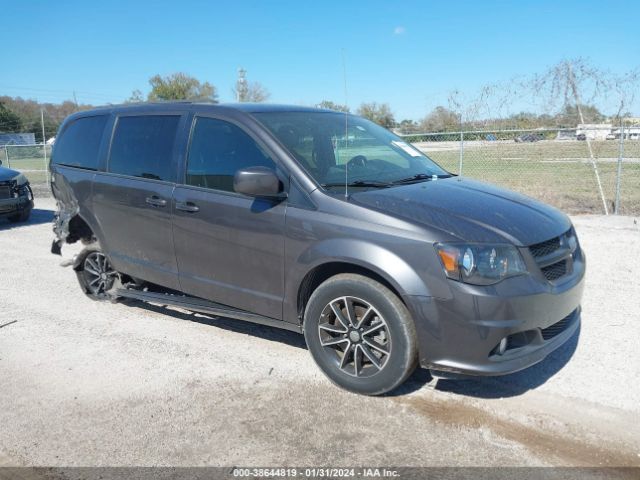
(480, 264)
(20, 179)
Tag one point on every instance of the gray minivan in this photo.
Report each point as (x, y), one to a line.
(319, 222)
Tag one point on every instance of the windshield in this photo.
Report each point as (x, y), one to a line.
(327, 143)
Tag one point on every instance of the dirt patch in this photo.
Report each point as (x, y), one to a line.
(558, 448)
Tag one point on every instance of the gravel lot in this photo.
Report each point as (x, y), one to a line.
(99, 384)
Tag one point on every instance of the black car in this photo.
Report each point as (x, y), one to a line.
(322, 223)
(530, 137)
(16, 196)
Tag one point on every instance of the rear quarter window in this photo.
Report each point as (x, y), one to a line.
(142, 146)
(79, 144)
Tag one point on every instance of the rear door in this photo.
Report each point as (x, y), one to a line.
(132, 199)
(229, 247)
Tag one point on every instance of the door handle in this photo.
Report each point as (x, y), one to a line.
(156, 201)
(187, 207)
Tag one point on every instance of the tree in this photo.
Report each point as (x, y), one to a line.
(573, 81)
(180, 86)
(329, 105)
(441, 119)
(136, 97)
(378, 113)
(257, 93)
(28, 113)
(9, 121)
(246, 92)
(569, 116)
(407, 126)
(524, 120)
(576, 83)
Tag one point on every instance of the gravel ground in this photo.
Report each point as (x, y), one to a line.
(99, 384)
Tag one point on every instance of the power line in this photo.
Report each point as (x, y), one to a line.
(64, 92)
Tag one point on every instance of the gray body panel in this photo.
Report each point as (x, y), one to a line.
(229, 237)
(143, 246)
(470, 210)
(254, 254)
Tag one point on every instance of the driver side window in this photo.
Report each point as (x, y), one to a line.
(218, 149)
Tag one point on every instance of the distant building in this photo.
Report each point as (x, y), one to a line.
(630, 133)
(594, 131)
(566, 135)
(17, 139)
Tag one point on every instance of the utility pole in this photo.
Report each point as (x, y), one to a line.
(44, 145)
(619, 171)
(461, 148)
(241, 86)
(44, 139)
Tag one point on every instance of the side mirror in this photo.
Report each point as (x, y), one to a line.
(257, 182)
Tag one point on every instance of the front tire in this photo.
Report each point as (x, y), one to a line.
(360, 334)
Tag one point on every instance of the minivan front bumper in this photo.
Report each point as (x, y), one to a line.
(464, 334)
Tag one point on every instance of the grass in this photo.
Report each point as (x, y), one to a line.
(556, 172)
(29, 163)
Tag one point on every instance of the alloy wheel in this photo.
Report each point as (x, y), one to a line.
(355, 334)
(99, 273)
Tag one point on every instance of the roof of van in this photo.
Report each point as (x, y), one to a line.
(271, 107)
(146, 107)
(243, 107)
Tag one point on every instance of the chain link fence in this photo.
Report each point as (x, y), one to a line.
(33, 161)
(580, 171)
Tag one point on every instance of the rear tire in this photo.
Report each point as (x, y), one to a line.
(360, 334)
(95, 274)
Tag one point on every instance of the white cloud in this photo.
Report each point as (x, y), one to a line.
(399, 30)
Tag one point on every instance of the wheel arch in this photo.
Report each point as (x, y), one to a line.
(320, 273)
(320, 262)
(79, 229)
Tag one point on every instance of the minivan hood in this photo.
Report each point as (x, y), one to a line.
(7, 174)
(469, 210)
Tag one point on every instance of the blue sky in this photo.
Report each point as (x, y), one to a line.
(410, 54)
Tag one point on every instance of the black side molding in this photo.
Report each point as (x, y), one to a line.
(200, 305)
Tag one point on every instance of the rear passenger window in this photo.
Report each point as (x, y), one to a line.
(218, 150)
(143, 146)
(79, 143)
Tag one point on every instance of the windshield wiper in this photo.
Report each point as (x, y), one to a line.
(418, 177)
(359, 183)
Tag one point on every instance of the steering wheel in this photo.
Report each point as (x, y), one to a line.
(357, 161)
